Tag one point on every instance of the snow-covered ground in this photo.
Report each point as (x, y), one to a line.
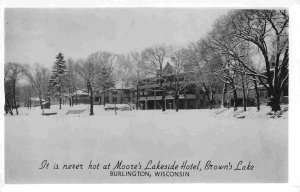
(140, 136)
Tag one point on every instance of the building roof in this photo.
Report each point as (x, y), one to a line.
(168, 69)
(80, 92)
(36, 99)
(128, 85)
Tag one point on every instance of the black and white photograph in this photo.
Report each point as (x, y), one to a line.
(146, 95)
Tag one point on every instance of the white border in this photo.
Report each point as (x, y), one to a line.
(294, 132)
(149, 3)
(294, 128)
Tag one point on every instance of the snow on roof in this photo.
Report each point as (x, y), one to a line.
(80, 92)
(118, 85)
(166, 61)
(36, 99)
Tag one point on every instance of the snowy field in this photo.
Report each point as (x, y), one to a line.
(140, 136)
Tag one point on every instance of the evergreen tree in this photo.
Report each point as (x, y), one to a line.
(58, 83)
(105, 79)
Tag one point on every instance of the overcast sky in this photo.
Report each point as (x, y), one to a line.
(37, 35)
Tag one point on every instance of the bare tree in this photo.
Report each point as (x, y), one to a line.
(13, 73)
(90, 71)
(153, 61)
(210, 70)
(8, 89)
(267, 31)
(73, 81)
(27, 94)
(234, 55)
(179, 79)
(137, 72)
(123, 71)
(78, 81)
(38, 77)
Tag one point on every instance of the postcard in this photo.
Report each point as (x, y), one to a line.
(146, 95)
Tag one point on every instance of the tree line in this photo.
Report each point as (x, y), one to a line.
(244, 49)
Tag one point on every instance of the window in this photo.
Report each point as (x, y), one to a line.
(114, 99)
(263, 94)
(106, 98)
(126, 91)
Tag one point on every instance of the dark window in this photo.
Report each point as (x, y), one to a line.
(106, 99)
(263, 93)
(114, 99)
(126, 91)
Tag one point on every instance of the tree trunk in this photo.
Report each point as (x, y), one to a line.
(30, 101)
(6, 107)
(137, 97)
(276, 89)
(163, 98)
(76, 98)
(275, 100)
(104, 100)
(257, 94)
(223, 95)
(244, 94)
(11, 111)
(14, 95)
(60, 101)
(176, 102)
(228, 107)
(185, 100)
(211, 98)
(207, 94)
(121, 100)
(276, 105)
(163, 101)
(91, 100)
(41, 103)
(163, 92)
(235, 97)
(115, 108)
